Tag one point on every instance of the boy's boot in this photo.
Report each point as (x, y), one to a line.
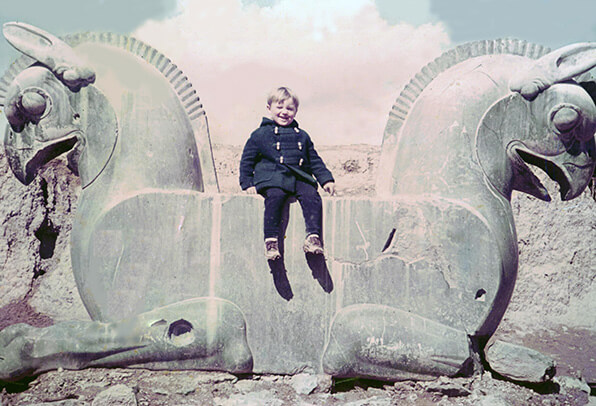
(272, 249)
(313, 245)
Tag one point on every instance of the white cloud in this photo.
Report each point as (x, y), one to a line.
(345, 62)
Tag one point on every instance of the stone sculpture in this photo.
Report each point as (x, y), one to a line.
(170, 269)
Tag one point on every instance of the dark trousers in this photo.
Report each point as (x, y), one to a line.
(310, 201)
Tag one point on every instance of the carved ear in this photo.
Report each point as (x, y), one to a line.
(50, 51)
(574, 60)
(555, 67)
(36, 43)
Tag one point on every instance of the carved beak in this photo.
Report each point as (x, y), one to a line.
(26, 155)
(572, 169)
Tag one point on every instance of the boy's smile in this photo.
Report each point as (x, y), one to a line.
(283, 111)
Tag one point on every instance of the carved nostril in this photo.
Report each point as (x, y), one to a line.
(566, 119)
(179, 327)
(33, 104)
(181, 333)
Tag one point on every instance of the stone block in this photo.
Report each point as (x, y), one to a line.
(519, 363)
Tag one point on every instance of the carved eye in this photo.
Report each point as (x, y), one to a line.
(565, 118)
(35, 103)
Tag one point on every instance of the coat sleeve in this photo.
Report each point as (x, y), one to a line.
(317, 165)
(250, 155)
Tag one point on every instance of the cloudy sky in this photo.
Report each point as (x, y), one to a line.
(346, 59)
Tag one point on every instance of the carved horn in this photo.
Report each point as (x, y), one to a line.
(51, 51)
(554, 67)
(38, 44)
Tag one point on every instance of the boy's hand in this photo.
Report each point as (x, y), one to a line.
(251, 190)
(329, 187)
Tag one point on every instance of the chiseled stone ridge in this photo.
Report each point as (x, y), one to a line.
(171, 271)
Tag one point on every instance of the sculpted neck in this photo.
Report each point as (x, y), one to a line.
(137, 137)
(435, 149)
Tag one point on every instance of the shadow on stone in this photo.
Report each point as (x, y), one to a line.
(347, 384)
(280, 279)
(543, 388)
(18, 386)
(318, 266)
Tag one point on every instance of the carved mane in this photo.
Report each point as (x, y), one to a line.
(448, 59)
(411, 92)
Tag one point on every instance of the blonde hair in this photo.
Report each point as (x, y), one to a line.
(281, 94)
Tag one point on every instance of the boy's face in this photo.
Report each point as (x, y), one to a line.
(283, 111)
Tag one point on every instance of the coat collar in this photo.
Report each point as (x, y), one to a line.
(268, 122)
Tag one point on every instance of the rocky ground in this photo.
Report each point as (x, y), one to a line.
(129, 387)
(553, 309)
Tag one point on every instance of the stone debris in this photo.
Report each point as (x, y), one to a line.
(304, 384)
(372, 401)
(184, 383)
(446, 387)
(116, 395)
(264, 398)
(67, 402)
(72, 388)
(246, 385)
(324, 383)
(269, 378)
(519, 363)
(372, 391)
(492, 400)
(575, 388)
(214, 377)
(568, 384)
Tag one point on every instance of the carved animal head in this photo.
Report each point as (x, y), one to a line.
(548, 122)
(38, 102)
(52, 107)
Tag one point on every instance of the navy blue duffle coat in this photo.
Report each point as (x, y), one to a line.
(276, 156)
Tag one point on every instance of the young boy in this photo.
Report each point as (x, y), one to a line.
(279, 161)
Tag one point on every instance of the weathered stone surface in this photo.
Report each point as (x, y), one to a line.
(304, 384)
(246, 385)
(264, 397)
(240, 276)
(116, 395)
(211, 329)
(569, 384)
(324, 383)
(371, 401)
(392, 338)
(493, 400)
(184, 383)
(434, 260)
(519, 363)
(447, 388)
(66, 402)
